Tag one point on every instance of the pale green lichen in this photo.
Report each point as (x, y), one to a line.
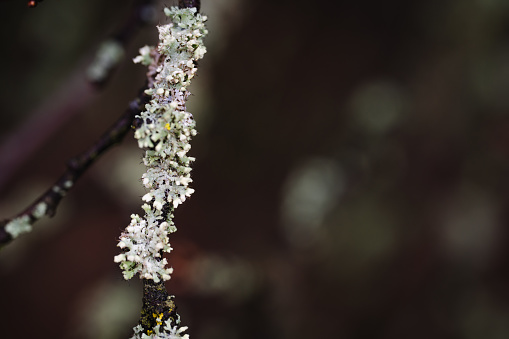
(62, 190)
(145, 56)
(169, 331)
(68, 184)
(18, 226)
(58, 190)
(108, 56)
(23, 224)
(165, 134)
(40, 210)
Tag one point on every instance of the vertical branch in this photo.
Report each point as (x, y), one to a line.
(158, 306)
(164, 132)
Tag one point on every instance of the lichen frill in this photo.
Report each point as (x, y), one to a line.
(167, 332)
(165, 133)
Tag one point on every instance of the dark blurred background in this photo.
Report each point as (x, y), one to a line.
(351, 176)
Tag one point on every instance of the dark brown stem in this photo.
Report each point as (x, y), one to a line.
(158, 306)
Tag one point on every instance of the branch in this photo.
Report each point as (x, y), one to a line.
(165, 133)
(111, 51)
(72, 96)
(47, 204)
(158, 306)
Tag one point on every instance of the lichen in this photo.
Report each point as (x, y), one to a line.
(68, 184)
(107, 57)
(40, 210)
(23, 224)
(18, 226)
(165, 134)
(169, 331)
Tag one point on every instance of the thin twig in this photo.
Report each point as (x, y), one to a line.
(141, 14)
(74, 94)
(76, 166)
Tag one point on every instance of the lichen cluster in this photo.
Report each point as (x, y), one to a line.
(23, 224)
(168, 331)
(108, 56)
(165, 133)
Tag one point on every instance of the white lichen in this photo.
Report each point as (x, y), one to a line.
(23, 224)
(18, 226)
(165, 135)
(108, 55)
(169, 331)
(40, 210)
(58, 190)
(68, 184)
